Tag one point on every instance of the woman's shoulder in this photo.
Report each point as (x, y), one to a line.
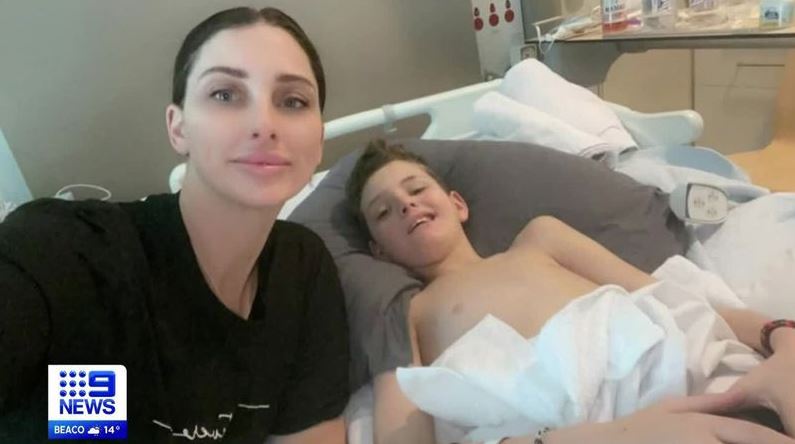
(50, 217)
(294, 232)
(50, 237)
(295, 244)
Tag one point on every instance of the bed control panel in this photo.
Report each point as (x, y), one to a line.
(700, 203)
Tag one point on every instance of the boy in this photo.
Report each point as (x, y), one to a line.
(414, 221)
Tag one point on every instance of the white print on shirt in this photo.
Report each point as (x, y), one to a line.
(254, 406)
(201, 432)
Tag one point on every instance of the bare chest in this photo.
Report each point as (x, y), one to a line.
(522, 287)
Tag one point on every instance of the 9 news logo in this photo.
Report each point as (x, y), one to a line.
(87, 401)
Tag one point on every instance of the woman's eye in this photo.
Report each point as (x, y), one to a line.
(381, 214)
(416, 191)
(295, 103)
(225, 95)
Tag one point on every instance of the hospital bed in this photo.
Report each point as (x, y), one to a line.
(451, 118)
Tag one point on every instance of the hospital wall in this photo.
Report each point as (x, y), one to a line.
(84, 83)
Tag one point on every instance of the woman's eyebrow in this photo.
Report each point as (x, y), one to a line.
(288, 78)
(234, 72)
(241, 74)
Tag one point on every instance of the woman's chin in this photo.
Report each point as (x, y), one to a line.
(270, 198)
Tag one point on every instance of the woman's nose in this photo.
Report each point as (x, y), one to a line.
(264, 122)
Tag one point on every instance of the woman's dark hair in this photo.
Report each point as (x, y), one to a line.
(235, 18)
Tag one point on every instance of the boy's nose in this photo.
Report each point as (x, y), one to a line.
(408, 205)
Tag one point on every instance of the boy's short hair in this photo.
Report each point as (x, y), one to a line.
(377, 155)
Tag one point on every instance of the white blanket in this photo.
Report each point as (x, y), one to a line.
(536, 105)
(605, 355)
(668, 167)
(754, 253)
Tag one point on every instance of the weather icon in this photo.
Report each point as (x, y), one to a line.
(93, 431)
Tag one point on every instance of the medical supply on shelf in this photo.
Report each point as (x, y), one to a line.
(614, 16)
(659, 14)
(775, 13)
(705, 13)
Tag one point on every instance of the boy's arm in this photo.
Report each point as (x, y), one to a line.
(397, 419)
(748, 324)
(769, 384)
(587, 258)
(581, 254)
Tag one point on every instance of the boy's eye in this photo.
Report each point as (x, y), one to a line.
(381, 214)
(418, 190)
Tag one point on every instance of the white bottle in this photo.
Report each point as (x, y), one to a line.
(659, 15)
(704, 13)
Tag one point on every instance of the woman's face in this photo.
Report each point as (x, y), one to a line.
(251, 122)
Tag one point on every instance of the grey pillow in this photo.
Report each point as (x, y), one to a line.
(506, 185)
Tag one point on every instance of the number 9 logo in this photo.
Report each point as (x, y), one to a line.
(103, 380)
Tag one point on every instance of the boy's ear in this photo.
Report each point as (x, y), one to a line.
(461, 207)
(377, 251)
(175, 123)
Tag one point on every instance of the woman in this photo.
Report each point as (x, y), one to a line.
(231, 324)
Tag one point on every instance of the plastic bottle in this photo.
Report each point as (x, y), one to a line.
(702, 13)
(614, 16)
(659, 15)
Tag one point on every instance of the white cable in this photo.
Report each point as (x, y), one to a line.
(567, 28)
(5, 209)
(62, 193)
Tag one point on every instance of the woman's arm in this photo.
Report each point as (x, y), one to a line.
(24, 336)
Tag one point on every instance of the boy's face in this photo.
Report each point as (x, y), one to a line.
(413, 221)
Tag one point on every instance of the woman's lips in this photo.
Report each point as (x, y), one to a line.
(260, 158)
(262, 163)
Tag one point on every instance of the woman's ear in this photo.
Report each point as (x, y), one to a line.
(175, 123)
(461, 207)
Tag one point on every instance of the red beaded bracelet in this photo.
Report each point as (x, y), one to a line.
(768, 329)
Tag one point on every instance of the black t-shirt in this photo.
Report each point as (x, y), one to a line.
(99, 283)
